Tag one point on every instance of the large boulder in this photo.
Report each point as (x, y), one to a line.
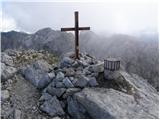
(6, 59)
(52, 107)
(75, 109)
(111, 103)
(37, 74)
(7, 72)
(38, 78)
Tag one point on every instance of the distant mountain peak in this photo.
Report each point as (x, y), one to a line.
(44, 30)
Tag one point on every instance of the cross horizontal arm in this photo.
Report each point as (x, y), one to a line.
(84, 28)
(73, 29)
(67, 29)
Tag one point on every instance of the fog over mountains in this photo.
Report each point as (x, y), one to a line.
(138, 54)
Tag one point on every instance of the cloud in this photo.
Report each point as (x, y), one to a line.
(8, 24)
(118, 17)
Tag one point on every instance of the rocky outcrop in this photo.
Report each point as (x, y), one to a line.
(77, 88)
(111, 103)
(7, 67)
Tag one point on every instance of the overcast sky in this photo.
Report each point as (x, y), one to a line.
(114, 17)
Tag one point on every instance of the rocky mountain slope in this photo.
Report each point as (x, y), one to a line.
(35, 84)
(138, 54)
(46, 39)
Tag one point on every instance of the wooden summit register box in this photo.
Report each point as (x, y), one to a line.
(111, 64)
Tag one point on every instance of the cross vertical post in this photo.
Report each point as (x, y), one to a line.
(76, 36)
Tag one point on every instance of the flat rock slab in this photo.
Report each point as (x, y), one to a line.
(110, 103)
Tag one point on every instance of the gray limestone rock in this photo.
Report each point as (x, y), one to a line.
(93, 82)
(60, 76)
(37, 74)
(45, 97)
(56, 91)
(75, 109)
(11, 52)
(111, 75)
(6, 59)
(99, 67)
(51, 75)
(66, 62)
(82, 81)
(69, 72)
(37, 77)
(52, 107)
(17, 114)
(7, 72)
(42, 65)
(71, 91)
(59, 85)
(67, 83)
(5, 95)
(109, 103)
(83, 63)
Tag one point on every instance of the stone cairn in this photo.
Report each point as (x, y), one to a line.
(59, 82)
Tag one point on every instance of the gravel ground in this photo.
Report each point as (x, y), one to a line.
(23, 100)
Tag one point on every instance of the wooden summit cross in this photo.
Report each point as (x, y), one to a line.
(76, 29)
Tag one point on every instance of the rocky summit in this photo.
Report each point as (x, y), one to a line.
(38, 84)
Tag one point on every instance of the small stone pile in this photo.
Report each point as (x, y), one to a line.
(58, 82)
